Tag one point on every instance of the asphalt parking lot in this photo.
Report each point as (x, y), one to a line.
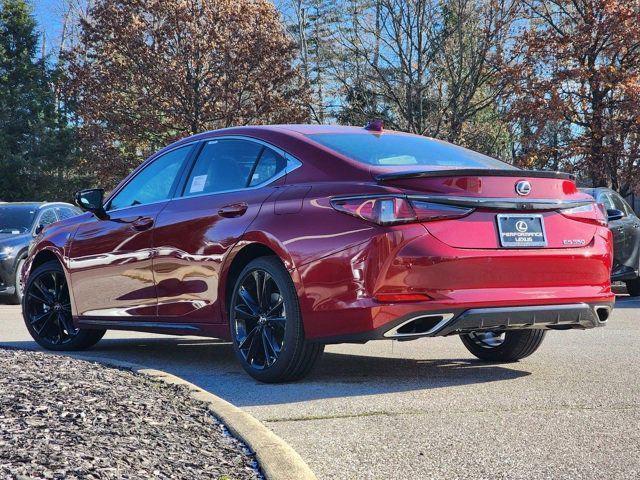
(427, 409)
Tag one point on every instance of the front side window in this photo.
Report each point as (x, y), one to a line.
(627, 208)
(618, 203)
(606, 201)
(223, 165)
(395, 150)
(154, 183)
(66, 212)
(47, 218)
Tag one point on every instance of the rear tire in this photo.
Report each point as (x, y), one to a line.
(46, 309)
(633, 287)
(266, 328)
(507, 346)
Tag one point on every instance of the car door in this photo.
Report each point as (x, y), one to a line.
(230, 180)
(631, 226)
(111, 259)
(617, 229)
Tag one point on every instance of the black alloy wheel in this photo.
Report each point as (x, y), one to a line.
(503, 346)
(46, 308)
(266, 324)
(487, 339)
(260, 319)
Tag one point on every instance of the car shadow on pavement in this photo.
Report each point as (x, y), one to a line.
(211, 364)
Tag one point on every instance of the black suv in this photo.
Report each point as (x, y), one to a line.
(625, 226)
(19, 223)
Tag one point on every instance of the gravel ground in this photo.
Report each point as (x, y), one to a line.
(66, 418)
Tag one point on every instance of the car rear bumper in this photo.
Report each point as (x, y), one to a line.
(7, 276)
(558, 317)
(535, 288)
(439, 324)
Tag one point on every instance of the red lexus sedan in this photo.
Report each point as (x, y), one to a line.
(286, 238)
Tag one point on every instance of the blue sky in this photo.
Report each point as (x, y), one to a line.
(48, 14)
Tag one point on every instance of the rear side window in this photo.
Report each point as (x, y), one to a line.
(394, 150)
(154, 183)
(223, 165)
(269, 165)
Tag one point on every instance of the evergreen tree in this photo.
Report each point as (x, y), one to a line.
(35, 143)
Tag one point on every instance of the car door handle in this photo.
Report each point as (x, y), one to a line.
(233, 210)
(142, 223)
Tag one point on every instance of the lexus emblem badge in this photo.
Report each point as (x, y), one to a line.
(522, 226)
(523, 187)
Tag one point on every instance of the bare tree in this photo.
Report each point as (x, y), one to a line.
(312, 24)
(468, 62)
(147, 72)
(407, 36)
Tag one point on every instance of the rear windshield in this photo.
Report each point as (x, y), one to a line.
(389, 150)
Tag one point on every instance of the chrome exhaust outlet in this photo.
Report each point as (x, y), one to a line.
(602, 312)
(419, 326)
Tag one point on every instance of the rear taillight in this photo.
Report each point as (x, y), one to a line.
(591, 213)
(428, 211)
(394, 210)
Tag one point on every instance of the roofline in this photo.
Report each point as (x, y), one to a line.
(38, 205)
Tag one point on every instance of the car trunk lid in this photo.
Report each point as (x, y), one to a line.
(501, 200)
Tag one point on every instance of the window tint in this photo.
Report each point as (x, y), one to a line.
(47, 217)
(223, 165)
(154, 183)
(394, 150)
(269, 165)
(66, 212)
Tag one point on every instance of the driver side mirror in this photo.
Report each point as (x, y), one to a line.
(38, 229)
(614, 214)
(91, 201)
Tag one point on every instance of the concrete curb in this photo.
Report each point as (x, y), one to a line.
(277, 460)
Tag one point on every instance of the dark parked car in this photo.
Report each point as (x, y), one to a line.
(625, 226)
(19, 223)
(286, 238)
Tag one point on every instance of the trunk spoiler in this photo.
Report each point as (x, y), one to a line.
(482, 172)
(502, 203)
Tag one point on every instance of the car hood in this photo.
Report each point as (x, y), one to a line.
(11, 240)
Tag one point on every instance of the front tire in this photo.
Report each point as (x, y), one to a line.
(508, 346)
(266, 324)
(16, 298)
(46, 309)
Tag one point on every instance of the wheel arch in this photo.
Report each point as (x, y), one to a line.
(252, 246)
(23, 254)
(44, 255)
